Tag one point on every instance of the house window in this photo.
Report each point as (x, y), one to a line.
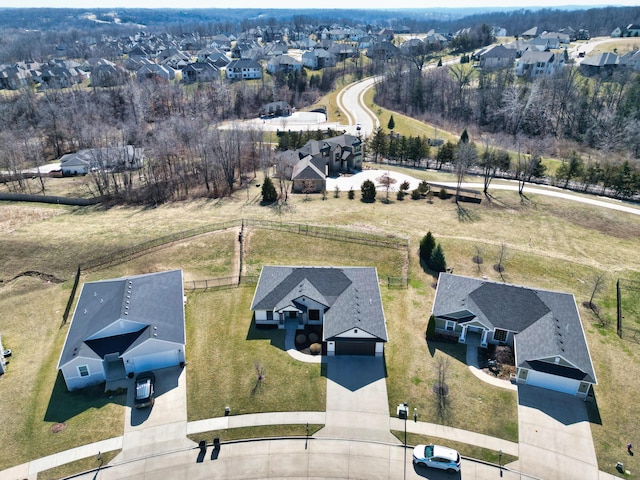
(523, 374)
(450, 326)
(583, 388)
(499, 335)
(83, 370)
(269, 315)
(314, 314)
(293, 314)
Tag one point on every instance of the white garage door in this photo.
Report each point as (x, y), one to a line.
(155, 360)
(552, 382)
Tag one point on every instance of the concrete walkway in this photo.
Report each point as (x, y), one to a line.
(290, 347)
(473, 342)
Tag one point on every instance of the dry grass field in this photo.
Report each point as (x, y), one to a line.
(549, 243)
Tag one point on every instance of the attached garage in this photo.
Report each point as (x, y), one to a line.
(552, 382)
(155, 361)
(357, 347)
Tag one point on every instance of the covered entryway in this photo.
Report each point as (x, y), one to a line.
(355, 347)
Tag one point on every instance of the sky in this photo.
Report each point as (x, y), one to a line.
(352, 4)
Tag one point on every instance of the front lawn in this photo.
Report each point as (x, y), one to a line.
(226, 354)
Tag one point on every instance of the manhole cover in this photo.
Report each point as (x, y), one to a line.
(58, 427)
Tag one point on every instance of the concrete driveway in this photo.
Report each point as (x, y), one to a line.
(357, 405)
(163, 427)
(554, 435)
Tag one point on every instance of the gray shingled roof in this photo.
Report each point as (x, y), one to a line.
(546, 323)
(351, 294)
(136, 303)
(309, 168)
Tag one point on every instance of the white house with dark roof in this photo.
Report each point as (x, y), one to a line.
(346, 301)
(542, 326)
(125, 326)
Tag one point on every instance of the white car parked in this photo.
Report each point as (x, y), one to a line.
(435, 456)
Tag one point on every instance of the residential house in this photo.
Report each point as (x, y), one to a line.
(543, 328)
(154, 71)
(600, 64)
(533, 64)
(341, 154)
(107, 74)
(215, 56)
(276, 109)
(283, 64)
(562, 38)
(383, 51)
(14, 77)
(342, 51)
(125, 326)
(529, 34)
(200, 72)
(244, 68)
(344, 301)
(113, 158)
(318, 59)
(633, 30)
(309, 175)
(495, 56)
(630, 60)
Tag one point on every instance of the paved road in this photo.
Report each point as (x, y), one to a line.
(351, 101)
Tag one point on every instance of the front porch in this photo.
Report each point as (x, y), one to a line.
(475, 335)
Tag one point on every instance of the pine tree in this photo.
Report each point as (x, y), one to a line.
(392, 123)
(269, 193)
(437, 261)
(427, 244)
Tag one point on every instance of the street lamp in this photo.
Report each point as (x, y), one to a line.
(500, 461)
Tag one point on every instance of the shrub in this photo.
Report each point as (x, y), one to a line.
(301, 338)
(315, 348)
(431, 327)
(368, 190)
(415, 194)
(427, 244)
(269, 193)
(400, 195)
(443, 194)
(313, 337)
(437, 261)
(351, 194)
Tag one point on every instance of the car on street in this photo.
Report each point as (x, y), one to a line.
(436, 456)
(144, 390)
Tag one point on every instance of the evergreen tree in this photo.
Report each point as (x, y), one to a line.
(392, 123)
(437, 261)
(427, 244)
(368, 189)
(269, 193)
(378, 143)
(464, 138)
(431, 327)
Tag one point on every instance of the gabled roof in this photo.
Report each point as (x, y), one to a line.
(309, 168)
(351, 294)
(115, 315)
(546, 324)
(532, 56)
(601, 60)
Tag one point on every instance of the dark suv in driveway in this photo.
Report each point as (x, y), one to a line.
(144, 390)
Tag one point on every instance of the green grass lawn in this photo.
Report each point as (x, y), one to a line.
(225, 351)
(550, 244)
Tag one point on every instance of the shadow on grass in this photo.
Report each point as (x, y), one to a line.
(64, 405)
(274, 335)
(465, 214)
(593, 411)
(450, 347)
